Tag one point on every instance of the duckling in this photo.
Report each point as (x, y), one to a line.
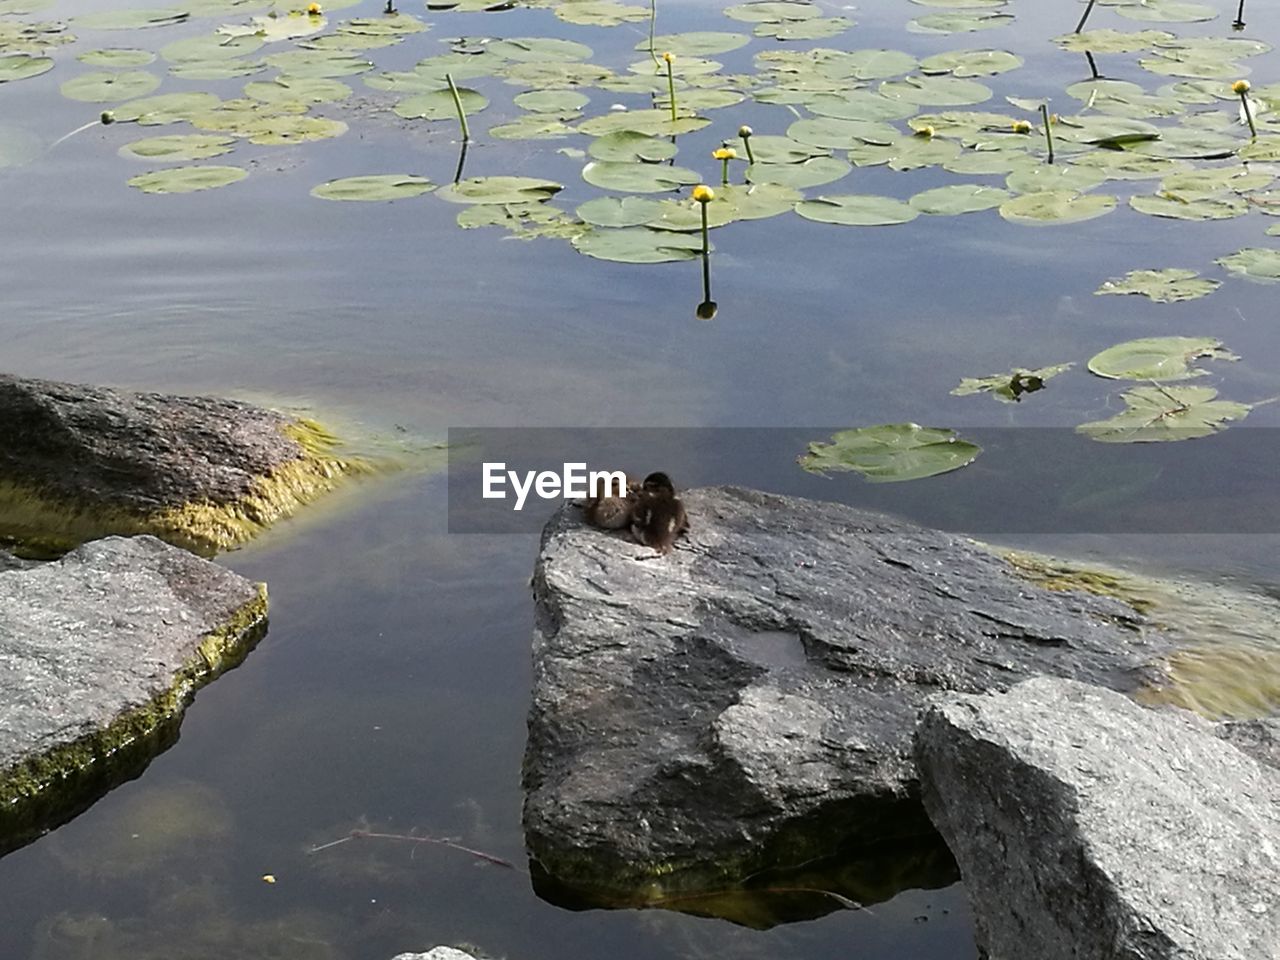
(612, 513)
(658, 517)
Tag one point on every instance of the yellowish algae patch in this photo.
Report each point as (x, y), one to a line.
(60, 769)
(1227, 665)
(53, 524)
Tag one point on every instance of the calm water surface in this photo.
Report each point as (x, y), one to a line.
(393, 686)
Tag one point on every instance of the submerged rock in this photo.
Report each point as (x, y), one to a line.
(80, 462)
(749, 701)
(1090, 828)
(100, 652)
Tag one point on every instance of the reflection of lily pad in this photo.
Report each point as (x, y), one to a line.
(1010, 387)
(856, 210)
(187, 179)
(1170, 285)
(891, 452)
(1158, 358)
(638, 245)
(1155, 414)
(386, 186)
(500, 190)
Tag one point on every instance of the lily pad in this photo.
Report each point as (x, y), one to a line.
(1155, 414)
(298, 90)
(859, 105)
(117, 57)
(628, 146)
(891, 452)
(130, 19)
(638, 177)
(106, 86)
(377, 187)
(500, 190)
(1167, 11)
(187, 147)
(866, 64)
(818, 29)
(164, 108)
(538, 50)
(619, 211)
(971, 63)
(210, 46)
(703, 43)
(187, 179)
(600, 13)
(563, 103)
(657, 123)
(1170, 285)
(774, 11)
(1056, 206)
(857, 210)
(1254, 263)
(936, 91)
(1199, 208)
(439, 105)
(814, 172)
(959, 198)
(1011, 387)
(286, 129)
(830, 132)
(21, 66)
(638, 245)
(1158, 358)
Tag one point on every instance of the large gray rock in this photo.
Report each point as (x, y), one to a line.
(79, 462)
(99, 654)
(437, 953)
(1087, 827)
(749, 700)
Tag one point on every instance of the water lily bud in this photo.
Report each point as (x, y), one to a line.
(314, 10)
(703, 194)
(1241, 87)
(1021, 126)
(925, 131)
(107, 117)
(744, 131)
(706, 310)
(669, 57)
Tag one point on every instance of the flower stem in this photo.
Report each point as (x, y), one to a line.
(1248, 114)
(724, 174)
(653, 22)
(1087, 10)
(746, 142)
(462, 114)
(671, 89)
(1048, 133)
(706, 239)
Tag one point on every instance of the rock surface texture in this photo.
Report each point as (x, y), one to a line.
(749, 700)
(100, 651)
(79, 462)
(437, 953)
(1090, 828)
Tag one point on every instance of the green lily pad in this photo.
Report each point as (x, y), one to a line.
(130, 19)
(600, 13)
(1122, 165)
(187, 147)
(277, 29)
(1167, 11)
(117, 57)
(891, 452)
(830, 132)
(386, 186)
(439, 105)
(309, 64)
(866, 64)
(210, 46)
(21, 66)
(971, 63)
(286, 129)
(960, 22)
(814, 172)
(818, 29)
(106, 86)
(656, 123)
(702, 43)
(767, 148)
(1170, 285)
(535, 126)
(1054, 176)
(298, 90)
(638, 245)
(538, 50)
(638, 177)
(619, 211)
(540, 74)
(217, 69)
(500, 190)
(1155, 414)
(774, 11)
(187, 179)
(857, 210)
(563, 103)
(1254, 263)
(936, 91)
(1112, 41)
(628, 146)
(1199, 208)
(959, 198)
(1158, 358)
(859, 105)
(164, 108)
(1010, 387)
(731, 203)
(524, 221)
(1056, 206)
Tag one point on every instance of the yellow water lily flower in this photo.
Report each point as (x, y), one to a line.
(1241, 87)
(314, 10)
(1021, 126)
(703, 194)
(669, 57)
(725, 153)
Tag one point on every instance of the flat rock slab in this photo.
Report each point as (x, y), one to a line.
(80, 462)
(1089, 828)
(99, 654)
(749, 700)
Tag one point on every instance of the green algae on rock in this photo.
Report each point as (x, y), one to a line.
(80, 462)
(100, 652)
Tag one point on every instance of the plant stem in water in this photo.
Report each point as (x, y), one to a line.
(1088, 10)
(1048, 133)
(653, 23)
(1248, 114)
(462, 114)
(671, 89)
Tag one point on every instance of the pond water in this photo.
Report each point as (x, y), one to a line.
(392, 689)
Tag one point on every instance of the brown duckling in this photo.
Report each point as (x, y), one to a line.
(658, 517)
(612, 513)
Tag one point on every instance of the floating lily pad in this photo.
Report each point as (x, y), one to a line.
(1166, 11)
(298, 90)
(538, 50)
(1255, 263)
(638, 177)
(117, 57)
(866, 64)
(859, 105)
(277, 29)
(1112, 41)
(600, 13)
(500, 190)
(619, 211)
(1169, 285)
(891, 452)
(217, 69)
(628, 146)
(1056, 206)
(960, 22)
(164, 108)
(814, 172)
(21, 66)
(959, 198)
(772, 149)
(535, 126)
(192, 146)
(819, 29)
(1158, 358)
(539, 74)
(936, 91)
(210, 46)
(638, 245)
(525, 221)
(1155, 414)
(971, 63)
(774, 11)
(830, 132)
(654, 122)
(1198, 208)
(106, 86)
(386, 186)
(319, 63)
(280, 130)
(130, 19)
(696, 44)
(857, 210)
(439, 105)
(187, 179)
(1011, 387)
(560, 102)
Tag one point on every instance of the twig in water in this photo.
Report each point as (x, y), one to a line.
(409, 838)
